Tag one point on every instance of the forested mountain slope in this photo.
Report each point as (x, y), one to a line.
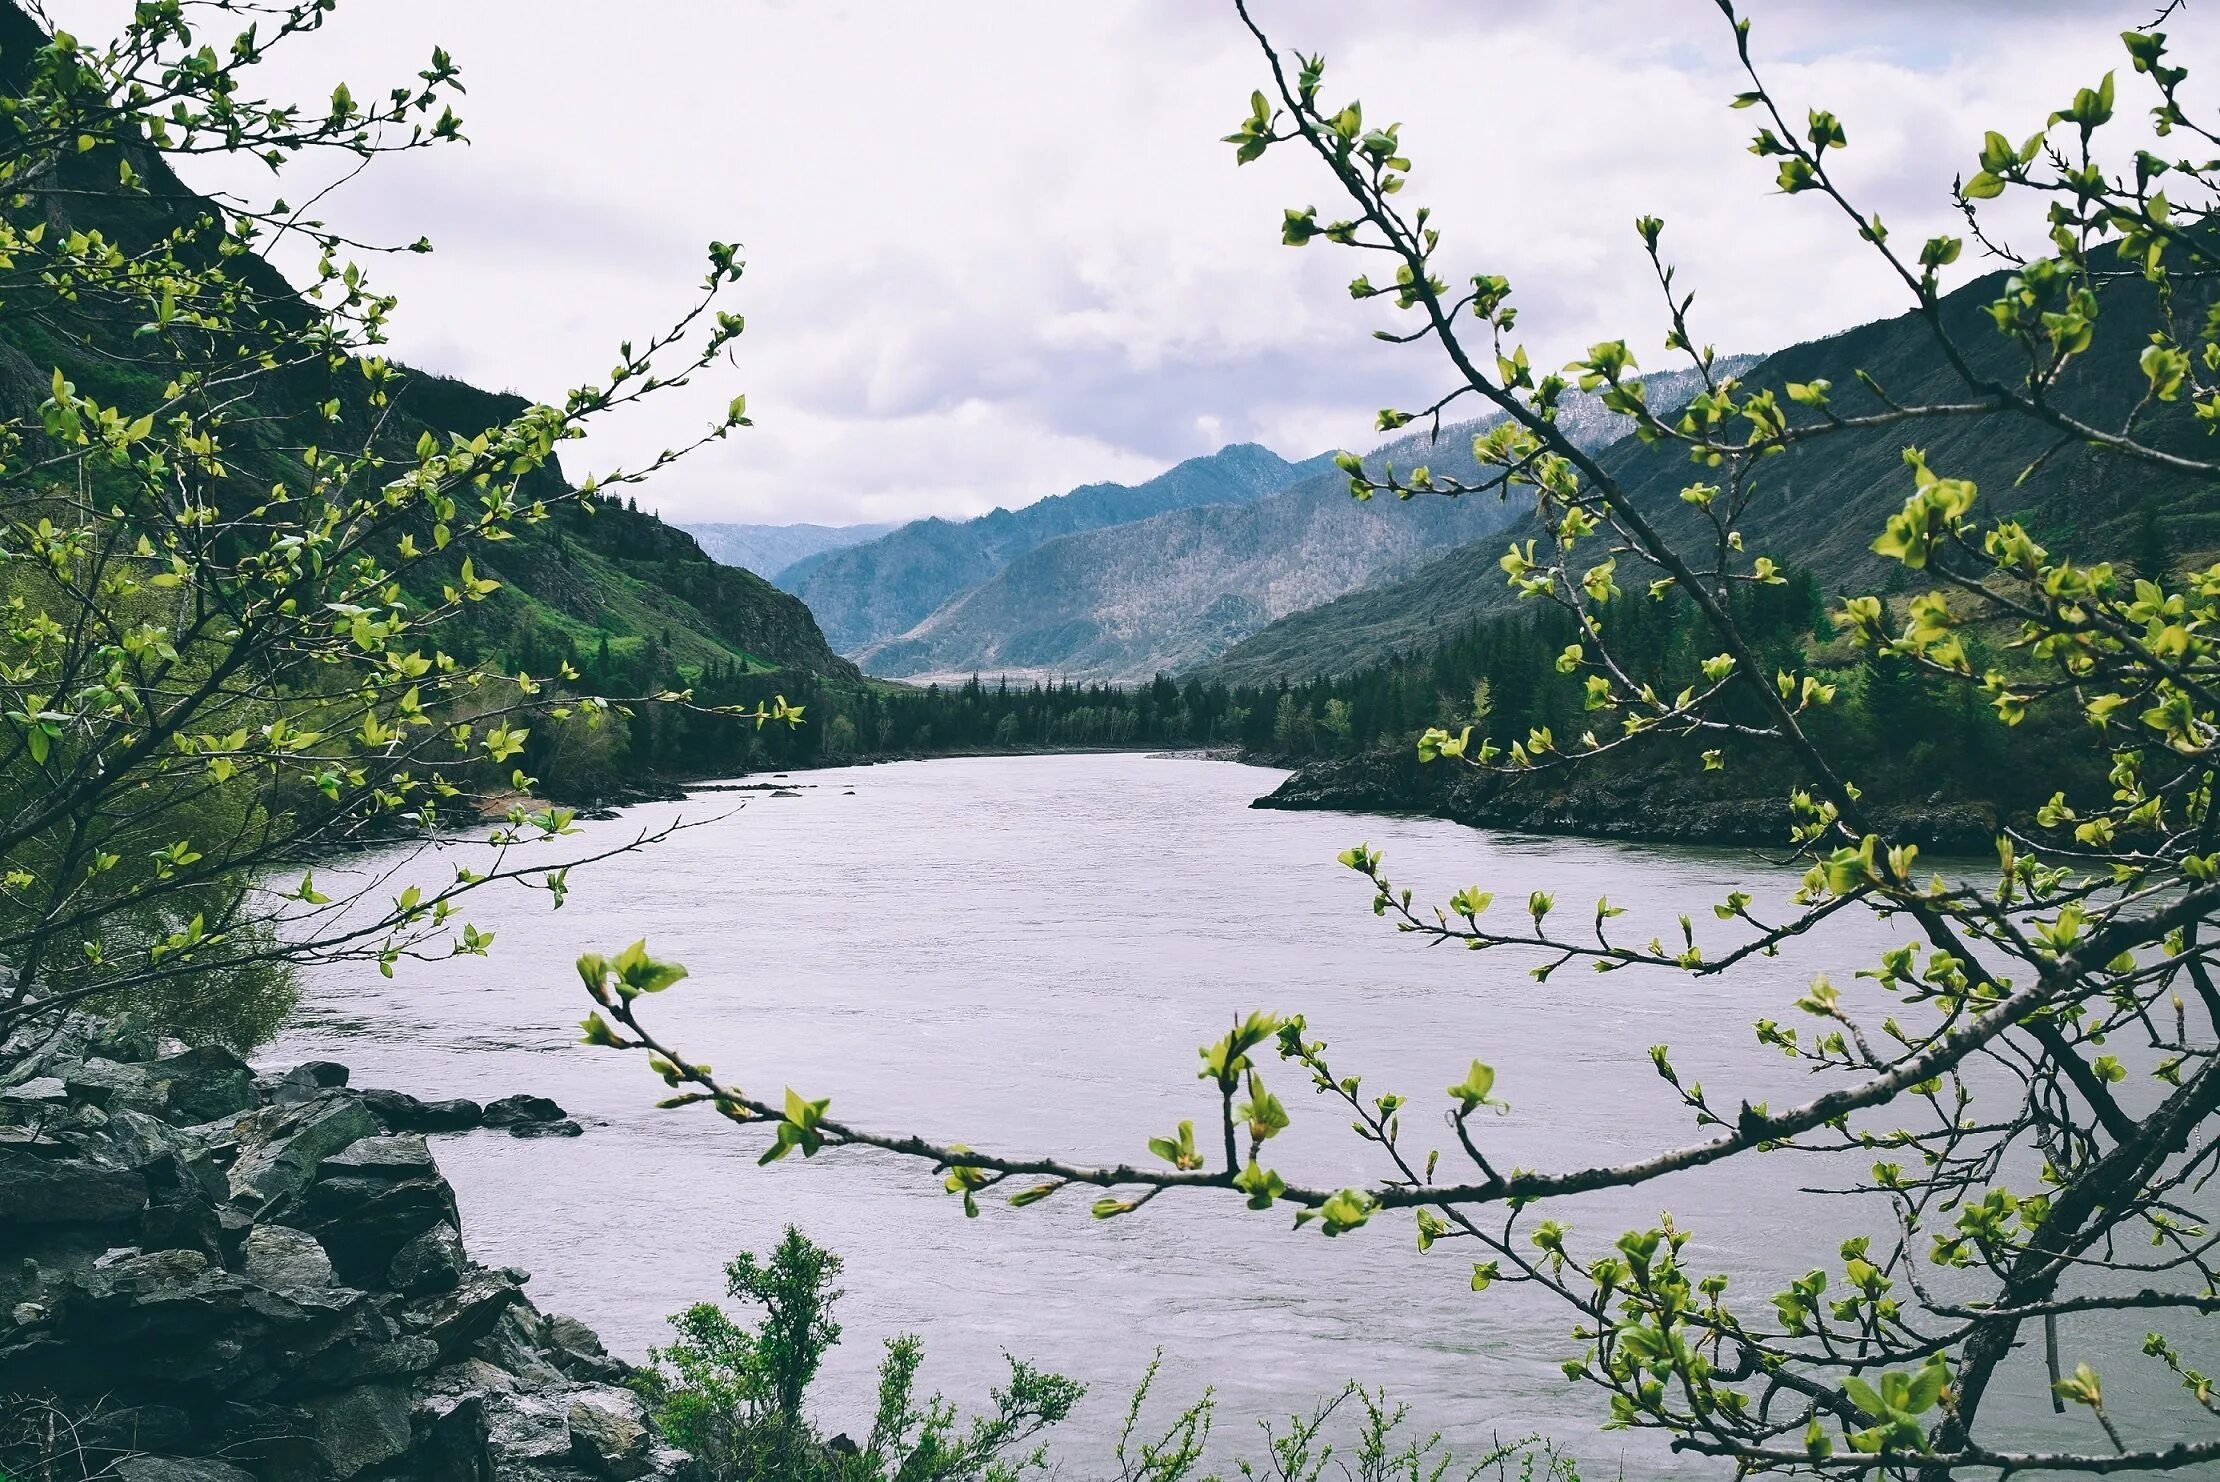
(592, 577)
(1820, 505)
(871, 592)
(1171, 593)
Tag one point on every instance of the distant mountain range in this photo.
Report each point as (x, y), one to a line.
(1173, 592)
(768, 550)
(1821, 504)
(868, 593)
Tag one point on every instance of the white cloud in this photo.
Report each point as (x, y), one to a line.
(996, 249)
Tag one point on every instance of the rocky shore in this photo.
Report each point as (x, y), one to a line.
(1661, 805)
(212, 1276)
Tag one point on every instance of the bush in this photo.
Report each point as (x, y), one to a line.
(732, 1396)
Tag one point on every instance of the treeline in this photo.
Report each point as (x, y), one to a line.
(1500, 674)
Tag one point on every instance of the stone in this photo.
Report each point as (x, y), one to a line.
(461, 1317)
(454, 1447)
(285, 1260)
(357, 1429)
(527, 1429)
(365, 1220)
(306, 1082)
(40, 1190)
(401, 1112)
(205, 1083)
(42, 1091)
(179, 1213)
(115, 1087)
(404, 1156)
(429, 1263)
(608, 1432)
(283, 1166)
(176, 1469)
(576, 1350)
(512, 1110)
(564, 1128)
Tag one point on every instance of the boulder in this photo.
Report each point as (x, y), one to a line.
(39, 1188)
(527, 1430)
(180, 1214)
(306, 1081)
(576, 1349)
(365, 1220)
(115, 1086)
(301, 1138)
(285, 1261)
(430, 1263)
(608, 1432)
(176, 1469)
(452, 1443)
(401, 1112)
(461, 1317)
(511, 1111)
(564, 1128)
(356, 1429)
(46, 1091)
(205, 1083)
(404, 1156)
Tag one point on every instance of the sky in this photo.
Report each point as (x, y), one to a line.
(996, 248)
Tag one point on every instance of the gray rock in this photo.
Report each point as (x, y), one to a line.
(357, 1429)
(404, 1156)
(564, 1128)
(306, 1082)
(431, 1262)
(43, 1091)
(140, 1138)
(527, 1429)
(608, 1432)
(176, 1469)
(285, 1260)
(401, 1112)
(281, 1167)
(180, 1213)
(509, 1111)
(576, 1349)
(116, 1087)
(205, 1083)
(36, 1189)
(364, 1220)
(461, 1317)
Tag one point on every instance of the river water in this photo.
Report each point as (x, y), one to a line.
(1025, 953)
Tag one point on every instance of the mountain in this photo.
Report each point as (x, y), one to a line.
(1820, 505)
(588, 577)
(770, 549)
(1173, 592)
(868, 593)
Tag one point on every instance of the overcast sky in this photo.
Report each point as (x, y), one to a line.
(996, 249)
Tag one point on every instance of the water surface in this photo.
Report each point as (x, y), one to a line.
(1025, 953)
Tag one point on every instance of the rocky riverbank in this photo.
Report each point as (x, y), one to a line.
(212, 1276)
(1662, 804)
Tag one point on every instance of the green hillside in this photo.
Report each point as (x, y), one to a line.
(1821, 504)
(592, 573)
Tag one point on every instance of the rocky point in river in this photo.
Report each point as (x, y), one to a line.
(212, 1276)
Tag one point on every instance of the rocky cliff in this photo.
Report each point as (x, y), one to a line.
(212, 1276)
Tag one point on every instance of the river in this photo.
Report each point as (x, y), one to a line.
(1026, 953)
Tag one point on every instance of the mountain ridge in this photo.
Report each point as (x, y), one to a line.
(1173, 592)
(866, 593)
